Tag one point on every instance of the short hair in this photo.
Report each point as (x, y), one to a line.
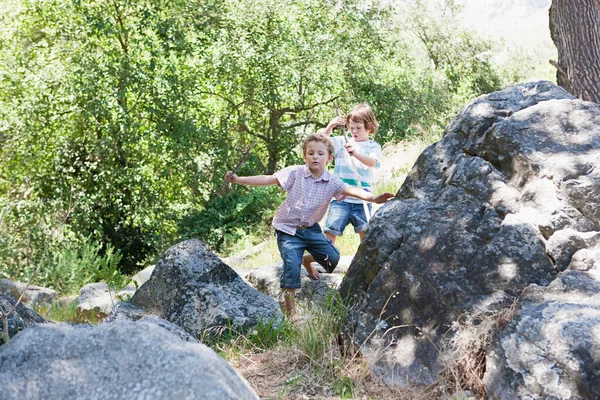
(363, 113)
(319, 138)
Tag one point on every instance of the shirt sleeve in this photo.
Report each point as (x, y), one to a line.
(375, 152)
(340, 187)
(286, 177)
(338, 146)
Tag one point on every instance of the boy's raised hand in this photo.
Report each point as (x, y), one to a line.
(350, 147)
(337, 121)
(231, 176)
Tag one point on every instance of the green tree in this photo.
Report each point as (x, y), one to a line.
(99, 108)
(278, 67)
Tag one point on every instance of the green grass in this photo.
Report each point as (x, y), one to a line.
(65, 313)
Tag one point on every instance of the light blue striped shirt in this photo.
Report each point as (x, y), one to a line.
(343, 164)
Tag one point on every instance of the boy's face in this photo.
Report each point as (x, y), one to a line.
(358, 131)
(316, 157)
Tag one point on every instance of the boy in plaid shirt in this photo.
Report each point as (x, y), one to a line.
(309, 188)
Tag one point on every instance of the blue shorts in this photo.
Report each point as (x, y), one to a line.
(291, 248)
(342, 213)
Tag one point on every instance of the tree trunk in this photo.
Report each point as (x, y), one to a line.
(575, 30)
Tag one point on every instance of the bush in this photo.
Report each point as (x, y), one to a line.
(73, 265)
(234, 219)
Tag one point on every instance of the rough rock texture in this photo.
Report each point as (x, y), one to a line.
(97, 300)
(551, 350)
(17, 319)
(504, 200)
(32, 296)
(120, 360)
(127, 312)
(191, 287)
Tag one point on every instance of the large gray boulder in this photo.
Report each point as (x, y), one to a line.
(120, 360)
(551, 350)
(504, 200)
(191, 287)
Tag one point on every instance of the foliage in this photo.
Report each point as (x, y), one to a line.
(58, 312)
(268, 333)
(134, 110)
(68, 269)
(242, 213)
(69, 262)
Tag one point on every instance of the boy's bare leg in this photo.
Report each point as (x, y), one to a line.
(288, 296)
(307, 261)
(330, 236)
(361, 235)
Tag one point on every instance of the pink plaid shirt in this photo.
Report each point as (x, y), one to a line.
(307, 198)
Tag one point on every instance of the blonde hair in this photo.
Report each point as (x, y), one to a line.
(319, 138)
(362, 113)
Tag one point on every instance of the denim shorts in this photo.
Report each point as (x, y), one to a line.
(291, 248)
(342, 213)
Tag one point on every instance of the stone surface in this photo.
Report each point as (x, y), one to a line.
(507, 198)
(96, 301)
(17, 318)
(191, 287)
(551, 350)
(120, 360)
(32, 295)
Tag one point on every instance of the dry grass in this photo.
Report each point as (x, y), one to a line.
(284, 373)
(292, 370)
(465, 353)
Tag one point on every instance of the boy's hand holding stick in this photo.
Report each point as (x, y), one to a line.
(231, 175)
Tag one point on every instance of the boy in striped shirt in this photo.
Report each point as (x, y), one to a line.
(365, 154)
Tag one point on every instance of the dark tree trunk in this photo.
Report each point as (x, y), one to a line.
(575, 30)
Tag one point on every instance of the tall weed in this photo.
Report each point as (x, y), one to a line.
(320, 327)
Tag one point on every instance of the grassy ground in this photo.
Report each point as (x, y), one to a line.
(305, 361)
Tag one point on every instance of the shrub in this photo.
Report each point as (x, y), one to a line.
(234, 218)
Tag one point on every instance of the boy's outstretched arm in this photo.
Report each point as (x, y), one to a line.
(366, 196)
(255, 180)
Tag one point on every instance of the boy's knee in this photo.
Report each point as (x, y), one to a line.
(331, 261)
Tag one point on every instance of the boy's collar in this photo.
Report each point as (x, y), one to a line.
(325, 176)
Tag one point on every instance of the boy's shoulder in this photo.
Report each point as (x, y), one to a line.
(369, 144)
(290, 168)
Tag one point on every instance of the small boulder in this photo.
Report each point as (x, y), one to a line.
(191, 287)
(32, 295)
(267, 280)
(17, 318)
(96, 301)
(120, 360)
